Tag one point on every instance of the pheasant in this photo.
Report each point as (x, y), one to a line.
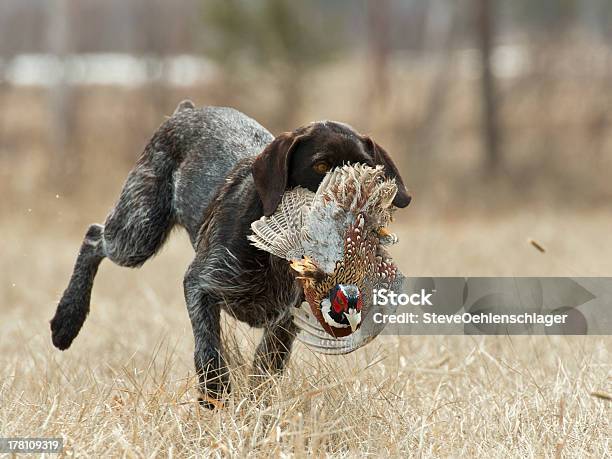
(333, 240)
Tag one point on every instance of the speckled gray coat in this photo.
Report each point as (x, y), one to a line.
(213, 171)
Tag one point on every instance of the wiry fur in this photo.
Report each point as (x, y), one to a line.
(211, 170)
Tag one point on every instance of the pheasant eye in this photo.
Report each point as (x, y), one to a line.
(321, 167)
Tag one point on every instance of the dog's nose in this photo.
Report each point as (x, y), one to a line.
(401, 200)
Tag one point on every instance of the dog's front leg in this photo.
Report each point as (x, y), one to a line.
(205, 314)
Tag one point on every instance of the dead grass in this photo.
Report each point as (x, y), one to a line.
(126, 388)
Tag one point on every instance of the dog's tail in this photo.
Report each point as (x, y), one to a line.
(74, 305)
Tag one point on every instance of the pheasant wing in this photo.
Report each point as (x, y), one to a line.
(281, 233)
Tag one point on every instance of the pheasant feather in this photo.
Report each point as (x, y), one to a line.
(279, 234)
(333, 239)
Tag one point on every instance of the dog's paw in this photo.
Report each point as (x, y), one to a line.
(211, 403)
(66, 324)
(62, 336)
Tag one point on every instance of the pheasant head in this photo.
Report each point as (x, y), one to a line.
(333, 239)
(342, 309)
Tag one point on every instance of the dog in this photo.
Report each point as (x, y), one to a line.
(214, 171)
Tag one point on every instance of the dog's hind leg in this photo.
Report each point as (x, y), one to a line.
(134, 231)
(141, 220)
(74, 305)
(274, 349)
(271, 356)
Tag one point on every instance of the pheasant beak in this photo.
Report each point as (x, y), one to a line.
(353, 319)
(384, 232)
(386, 237)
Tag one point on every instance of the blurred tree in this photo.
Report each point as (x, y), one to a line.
(485, 29)
(155, 47)
(545, 16)
(61, 97)
(6, 48)
(549, 19)
(283, 39)
(438, 41)
(379, 18)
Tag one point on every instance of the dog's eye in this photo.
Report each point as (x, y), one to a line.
(321, 167)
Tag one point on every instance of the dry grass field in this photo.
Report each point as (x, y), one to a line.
(126, 387)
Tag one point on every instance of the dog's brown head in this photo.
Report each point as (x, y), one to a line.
(302, 157)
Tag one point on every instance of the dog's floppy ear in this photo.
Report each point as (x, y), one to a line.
(271, 170)
(380, 156)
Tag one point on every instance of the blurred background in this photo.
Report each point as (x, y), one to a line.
(484, 104)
